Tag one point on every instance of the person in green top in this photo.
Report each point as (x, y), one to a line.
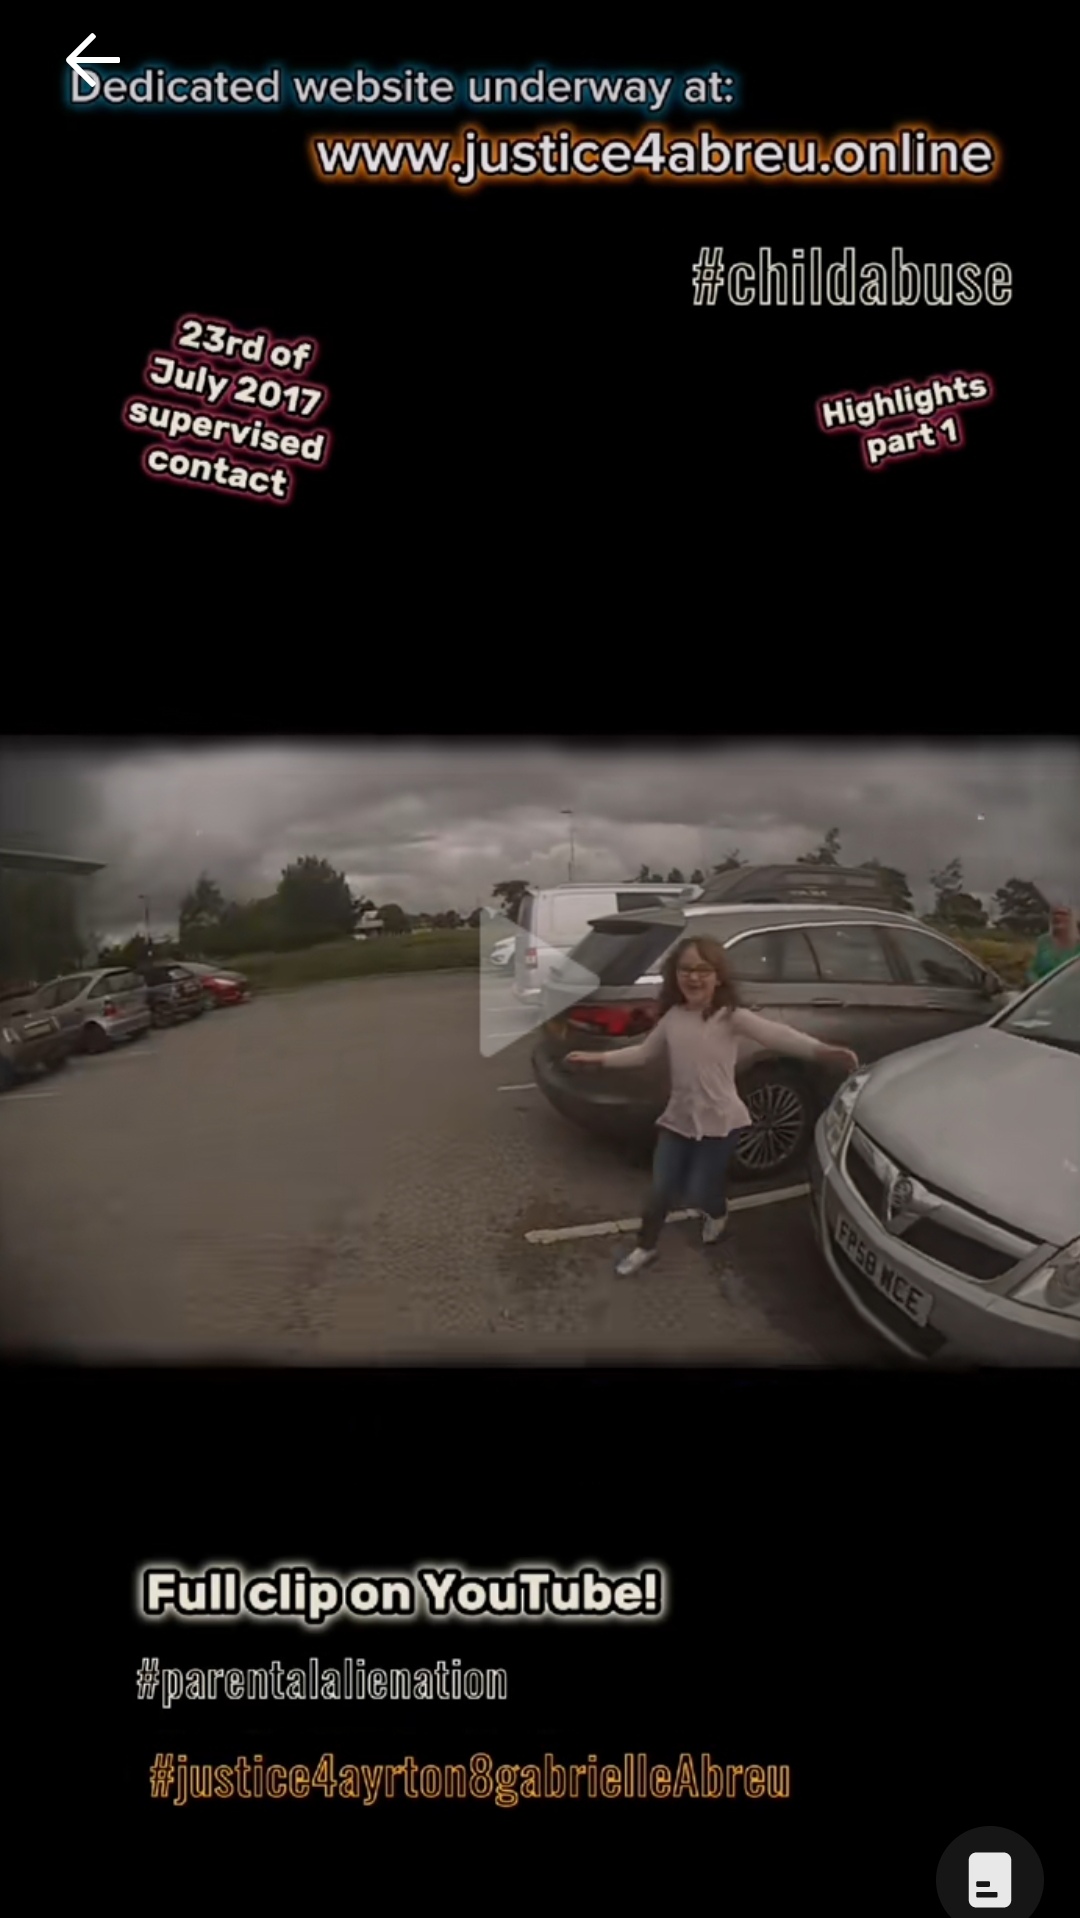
(1060, 943)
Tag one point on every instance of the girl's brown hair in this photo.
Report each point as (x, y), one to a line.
(724, 997)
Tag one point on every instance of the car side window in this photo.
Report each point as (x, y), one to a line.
(115, 982)
(851, 955)
(774, 958)
(798, 967)
(68, 990)
(756, 958)
(933, 963)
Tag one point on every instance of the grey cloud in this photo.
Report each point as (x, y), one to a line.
(436, 823)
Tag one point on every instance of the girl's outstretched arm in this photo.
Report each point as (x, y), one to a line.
(799, 1045)
(649, 1050)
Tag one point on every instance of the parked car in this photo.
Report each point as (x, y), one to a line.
(99, 1009)
(874, 980)
(175, 994)
(218, 986)
(946, 1188)
(30, 1042)
(553, 920)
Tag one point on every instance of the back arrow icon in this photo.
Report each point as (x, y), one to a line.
(79, 66)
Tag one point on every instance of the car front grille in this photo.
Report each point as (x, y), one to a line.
(963, 1241)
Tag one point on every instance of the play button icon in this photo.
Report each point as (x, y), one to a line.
(523, 984)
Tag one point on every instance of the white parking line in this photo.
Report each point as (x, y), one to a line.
(614, 1228)
(13, 1098)
(530, 1087)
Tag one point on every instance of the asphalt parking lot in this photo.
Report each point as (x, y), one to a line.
(339, 1174)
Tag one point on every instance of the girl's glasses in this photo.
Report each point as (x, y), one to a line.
(696, 972)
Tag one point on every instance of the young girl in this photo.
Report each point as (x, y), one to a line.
(698, 1030)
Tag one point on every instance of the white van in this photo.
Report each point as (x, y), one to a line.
(553, 921)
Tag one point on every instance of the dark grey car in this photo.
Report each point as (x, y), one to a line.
(873, 980)
(173, 993)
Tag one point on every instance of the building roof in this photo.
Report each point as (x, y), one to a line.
(21, 861)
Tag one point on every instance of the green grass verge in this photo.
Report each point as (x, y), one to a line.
(349, 959)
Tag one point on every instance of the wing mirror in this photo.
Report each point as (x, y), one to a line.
(992, 985)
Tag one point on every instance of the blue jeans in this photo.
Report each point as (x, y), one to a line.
(691, 1171)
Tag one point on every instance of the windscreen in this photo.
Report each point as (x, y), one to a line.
(620, 958)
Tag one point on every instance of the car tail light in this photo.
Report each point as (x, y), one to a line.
(615, 1022)
(109, 1009)
(532, 957)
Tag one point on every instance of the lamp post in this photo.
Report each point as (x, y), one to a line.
(568, 814)
(146, 921)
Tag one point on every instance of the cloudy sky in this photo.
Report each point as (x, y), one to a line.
(434, 824)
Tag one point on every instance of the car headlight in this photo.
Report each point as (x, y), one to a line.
(839, 1114)
(1055, 1287)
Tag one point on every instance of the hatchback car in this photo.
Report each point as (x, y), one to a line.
(873, 980)
(175, 994)
(98, 1009)
(946, 1188)
(30, 1042)
(219, 987)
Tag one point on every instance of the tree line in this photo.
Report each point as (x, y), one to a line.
(313, 903)
(1019, 908)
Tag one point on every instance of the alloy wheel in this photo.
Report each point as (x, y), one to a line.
(778, 1118)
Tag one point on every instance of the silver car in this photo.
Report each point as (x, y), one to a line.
(98, 1009)
(946, 1188)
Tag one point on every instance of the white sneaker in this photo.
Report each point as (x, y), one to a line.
(713, 1229)
(633, 1262)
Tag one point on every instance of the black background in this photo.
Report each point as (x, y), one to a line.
(867, 1575)
(537, 435)
(529, 413)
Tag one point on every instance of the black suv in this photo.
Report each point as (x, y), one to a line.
(174, 994)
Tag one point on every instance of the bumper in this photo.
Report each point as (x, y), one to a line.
(30, 1058)
(611, 1113)
(172, 1011)
(967, 1325)
(129, 1026)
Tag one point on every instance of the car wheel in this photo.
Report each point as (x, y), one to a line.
(781, 1109)
(96, 1041)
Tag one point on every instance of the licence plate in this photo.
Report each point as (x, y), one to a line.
(892, 1285)
(38, 1028)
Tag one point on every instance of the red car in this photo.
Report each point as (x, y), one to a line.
(220, 986)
